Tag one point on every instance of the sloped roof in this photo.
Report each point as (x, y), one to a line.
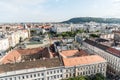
(15, 55)
(48, 63)
(84, 60)
(70, 53)
(10, 57)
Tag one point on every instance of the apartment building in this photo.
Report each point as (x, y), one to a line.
(4, 44)
(84, 66)
(107, 36)
(59, 28)
(110, 54)
(35, 64)
(46, 69)
(79, 63)
(14, 37)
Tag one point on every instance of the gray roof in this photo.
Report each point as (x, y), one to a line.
(48, 63)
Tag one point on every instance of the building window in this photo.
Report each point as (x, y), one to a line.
(5, 78)
(94, 71)
(66, 75)
(54, 76)
(89, 72)
(26, 76)
(61, 70)
(83, 73)
(42, 74)
(47, 73)
(19, 77)
(54, 71)
(47, 78)
(34, 75)
(70, 74)
(78, 73)
(38, 74)
(10, 78)
(31, 75)
(61, 75)
(57, 76)
(51, 72)
(23, 77)
(86, 72)
(66, 70)
(14, 78)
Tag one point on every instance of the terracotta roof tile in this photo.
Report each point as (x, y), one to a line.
(10, 57)
(70, 53)
(82, 60)
(16, 55)
(30, 51)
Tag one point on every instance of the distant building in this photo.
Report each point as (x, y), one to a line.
(107, 36)
(59, 28)
(14, 37)
(4, 44)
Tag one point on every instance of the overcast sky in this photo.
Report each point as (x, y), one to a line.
(56, 10)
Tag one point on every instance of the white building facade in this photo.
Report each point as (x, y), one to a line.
(113, 60)
(55, 73)
(4, 44)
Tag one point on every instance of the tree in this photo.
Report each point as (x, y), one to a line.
(94, 35)
(99, 76)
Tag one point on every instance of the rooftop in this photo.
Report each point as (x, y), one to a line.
(84, 60)
(73, 53)
(114, 51)
(48, 63)
(104, 47)
(26, 54)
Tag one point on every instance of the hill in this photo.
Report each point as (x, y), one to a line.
(89, 19)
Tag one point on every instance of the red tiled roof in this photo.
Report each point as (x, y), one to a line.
(82, 60)
(16, 55)
(11, 57)
(30, 51)
(68, 53)
(114, 51)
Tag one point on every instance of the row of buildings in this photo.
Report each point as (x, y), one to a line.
(50, 64)
(91, 27)
(10, 38)
(109, 53)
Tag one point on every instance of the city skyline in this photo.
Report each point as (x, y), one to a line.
(56, 10)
